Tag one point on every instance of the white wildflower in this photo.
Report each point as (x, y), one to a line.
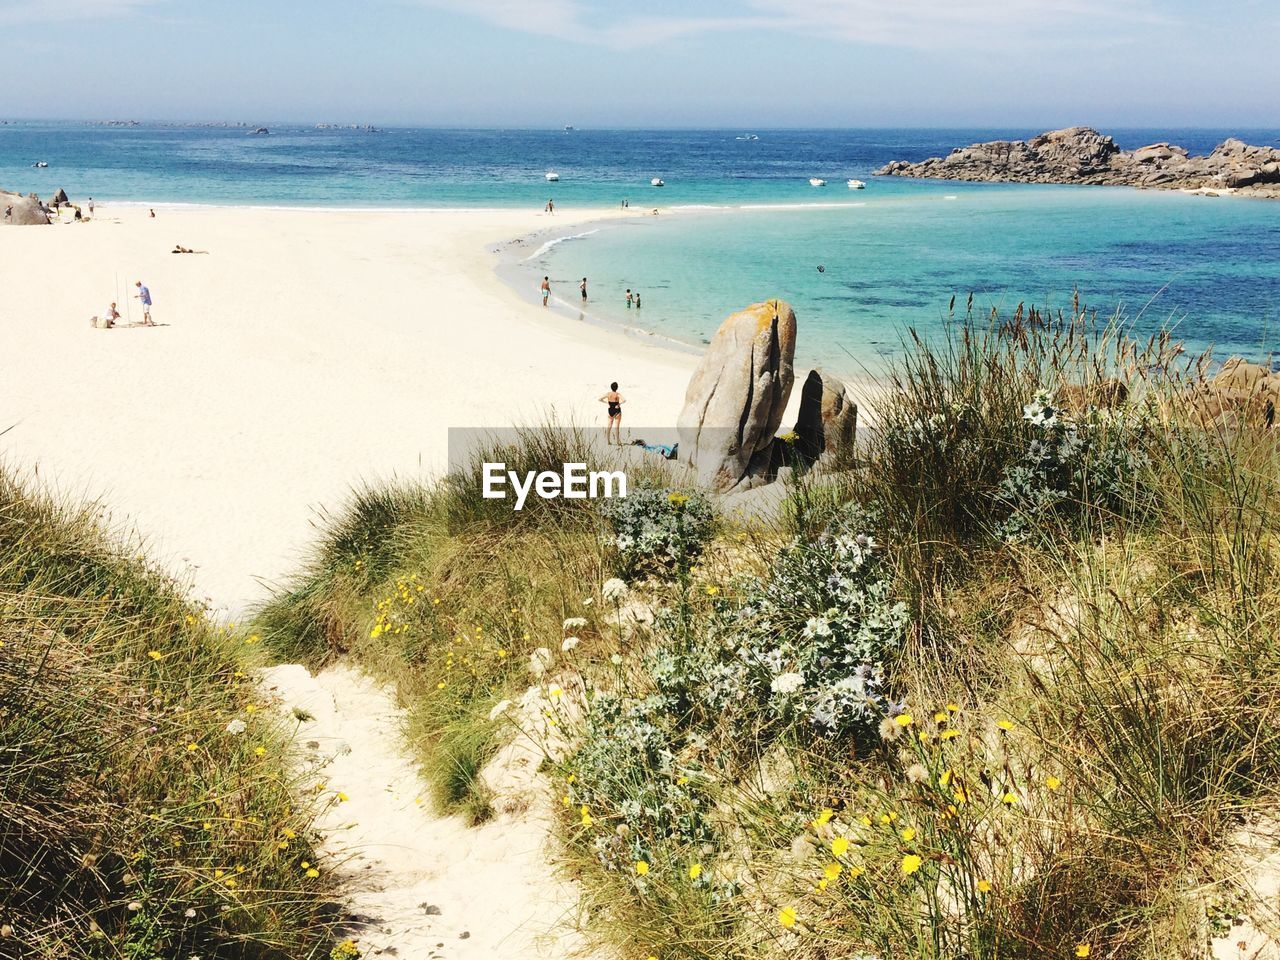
(569, 644)
(787, 683)
(616, 659)
(236, 726)
(817, 627)
(499, 709)
(613, 589)
(589, 601)
(574, 623)
(539, 661)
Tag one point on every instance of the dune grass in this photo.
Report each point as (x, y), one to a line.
(1008, 689)
(134, 820)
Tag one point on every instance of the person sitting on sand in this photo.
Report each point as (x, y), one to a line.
(615, 401)
(110, 316)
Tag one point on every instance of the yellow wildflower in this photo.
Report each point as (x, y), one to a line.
(948, 734)
(313, 873)
(642, 868)
(1082, 950)
(1009, 798)
(259, 751)
(586, 816)
(952, 708)
(1052, 782)
(840, 846)
(1004, 724)
(940, 717)
(824, 817)
(910, 864)
(903, 720)
(695, 871)
(787, 915)
(908, 835)
(984, 886)
(155, 654)
(832, 870)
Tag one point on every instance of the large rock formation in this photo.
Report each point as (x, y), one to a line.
(736, 397)
(1083, 155)
(22, 211)
(826, 422)
(1240, 391)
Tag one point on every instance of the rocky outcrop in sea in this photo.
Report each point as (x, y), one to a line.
(1083, 155)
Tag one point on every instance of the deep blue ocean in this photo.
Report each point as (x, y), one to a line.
(742, 221)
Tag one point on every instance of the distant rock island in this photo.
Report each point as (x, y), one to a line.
(1085, 156)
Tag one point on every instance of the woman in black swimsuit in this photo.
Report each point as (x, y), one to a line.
(615, 401)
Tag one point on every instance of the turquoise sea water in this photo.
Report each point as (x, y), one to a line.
(743, 223)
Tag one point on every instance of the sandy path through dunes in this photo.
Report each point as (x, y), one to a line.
(428, 887)
(307, 352)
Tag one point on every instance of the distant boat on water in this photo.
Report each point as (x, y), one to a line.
(552, 176)
(260, 132)
(568, 128)
(817, 182)
(40, 164)
(658, 182)
(857, 185)
(749, 136)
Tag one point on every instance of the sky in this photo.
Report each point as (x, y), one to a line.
(654, 63)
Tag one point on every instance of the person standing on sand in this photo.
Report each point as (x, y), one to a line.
(546, 290)
(91, 206)
(551, 206)
(583, 287)
(144, 295)
(615, 401)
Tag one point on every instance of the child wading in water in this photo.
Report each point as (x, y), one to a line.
(615, 401)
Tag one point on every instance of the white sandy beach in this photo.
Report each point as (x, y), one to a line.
(307, 352)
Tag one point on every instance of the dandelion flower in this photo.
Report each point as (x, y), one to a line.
(1052, 782)
(712, 590)
(586, 816)
(948, 734)
(312, 872)
(1009, 798)
(1082, 950)
(342, 797)
(695, 871)
(908, 835)
(642, 868)
(939, 717)
(155, 654)
(903, 720)
(555, 693)
(259, 751)
(840, 846)
(191, 747)
(824, 817)
(984, 886)
(910, 864)
(1004, 724)
(787, 917)
(832, 870)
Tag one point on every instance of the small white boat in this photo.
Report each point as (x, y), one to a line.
(658, 182)
(40, 164)
(857, 185)
(817, 182)
(552, 176)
